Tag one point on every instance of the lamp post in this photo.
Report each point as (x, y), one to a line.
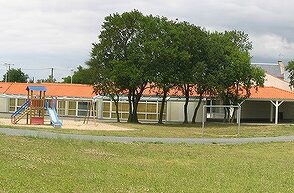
(72, 71)
(7, 70)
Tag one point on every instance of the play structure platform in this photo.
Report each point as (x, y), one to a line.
(35, 107)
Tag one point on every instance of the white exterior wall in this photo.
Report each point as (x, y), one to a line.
(175, 111)
(276, 82)
(99, 107)
(4, 105)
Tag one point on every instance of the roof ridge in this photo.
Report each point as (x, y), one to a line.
(50, 83)
(264, 63)
(281, 89)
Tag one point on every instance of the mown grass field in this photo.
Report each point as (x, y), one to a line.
(43, 165)
(183, 130)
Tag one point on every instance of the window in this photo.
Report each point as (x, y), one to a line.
(106, 109)
(12, 104)
(151, 108)
(142, 107)
(83, 108)
(72, 108)
(20, 102)
(147, 110)
(61, 107)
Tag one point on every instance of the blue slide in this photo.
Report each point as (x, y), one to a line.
(55, 121)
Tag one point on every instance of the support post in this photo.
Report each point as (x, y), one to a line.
(203, 111)
(239, 119)
(277, 112)
(271, 112)
(277, 104)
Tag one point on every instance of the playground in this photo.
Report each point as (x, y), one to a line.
(68, 124)
(33, 112)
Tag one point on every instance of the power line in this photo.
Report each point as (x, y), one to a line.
(33, 69)
(7, 69)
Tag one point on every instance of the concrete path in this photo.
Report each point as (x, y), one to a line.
(52, 135)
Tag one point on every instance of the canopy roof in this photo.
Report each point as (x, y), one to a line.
(36, 88)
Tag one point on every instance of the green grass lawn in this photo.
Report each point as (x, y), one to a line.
(43, 165)
(185, 130)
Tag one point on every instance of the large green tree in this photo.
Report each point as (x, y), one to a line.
(290, 68)
(81, 76)
(161, 54)
(15, 75)
(134, 51)
(120, 50)
(192, 41)
(236, 75)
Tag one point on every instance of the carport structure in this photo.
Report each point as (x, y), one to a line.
(269, 103)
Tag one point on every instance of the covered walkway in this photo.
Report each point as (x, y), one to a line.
(269, 102)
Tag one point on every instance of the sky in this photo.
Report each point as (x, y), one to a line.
(36, 35)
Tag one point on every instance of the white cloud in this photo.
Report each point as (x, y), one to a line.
(272, 46)
(38, 33)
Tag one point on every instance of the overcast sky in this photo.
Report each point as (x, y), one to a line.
(36, 35)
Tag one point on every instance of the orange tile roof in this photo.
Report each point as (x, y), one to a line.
(86, 91)
(153, 91)
(53, 89)
(271, 93)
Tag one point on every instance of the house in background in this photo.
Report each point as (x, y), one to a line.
(275, 72)
(272, 103)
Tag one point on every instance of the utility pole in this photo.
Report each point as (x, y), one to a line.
(7, 70)
(72, 72)
(52, 74)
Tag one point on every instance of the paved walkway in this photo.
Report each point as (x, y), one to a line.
(52, 135)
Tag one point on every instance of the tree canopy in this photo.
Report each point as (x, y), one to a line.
(15, 75)
(290, 68)
(135, 52)
(81, 76)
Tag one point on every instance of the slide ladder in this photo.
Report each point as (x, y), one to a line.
(21, 112)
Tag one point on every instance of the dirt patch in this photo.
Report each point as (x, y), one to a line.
(70, 124)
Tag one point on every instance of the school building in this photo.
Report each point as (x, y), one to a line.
(272, 103)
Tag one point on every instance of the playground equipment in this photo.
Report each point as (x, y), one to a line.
(34, 108)
(55, 121)
(91, 111)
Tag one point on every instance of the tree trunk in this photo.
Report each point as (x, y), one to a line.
(116, 111)
(232, 120)
(135, 115)
(186, 91)
(196, 109)
(227, 114)
(162, 106)
(134, 97)
(130, 107)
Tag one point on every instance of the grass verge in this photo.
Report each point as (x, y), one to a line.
(181, 130)
(43, 165)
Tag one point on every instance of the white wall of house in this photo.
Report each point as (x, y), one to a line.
(175, 111)
(3, 105)
(276, 82)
